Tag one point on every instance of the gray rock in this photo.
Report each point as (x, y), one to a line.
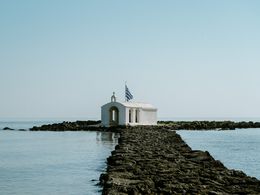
(7, 128)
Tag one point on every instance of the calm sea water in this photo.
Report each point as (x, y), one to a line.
(25, 124)
(71, 162)
(52, 162)
(238, 149)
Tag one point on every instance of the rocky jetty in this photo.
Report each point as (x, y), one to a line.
(155, 160)
(75, 126)
(175, 125)
(68, 126)
(209, 125)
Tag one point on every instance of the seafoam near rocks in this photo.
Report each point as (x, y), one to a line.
(154, 160)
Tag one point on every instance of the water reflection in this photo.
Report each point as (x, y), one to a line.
(108, 137)
(62, 162)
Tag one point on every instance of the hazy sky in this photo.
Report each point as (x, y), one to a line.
(189, 58)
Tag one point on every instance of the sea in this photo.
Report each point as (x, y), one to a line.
(46, 162)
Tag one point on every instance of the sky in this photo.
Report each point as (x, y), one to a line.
(64, 58)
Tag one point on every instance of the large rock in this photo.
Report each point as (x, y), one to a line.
(7, 128)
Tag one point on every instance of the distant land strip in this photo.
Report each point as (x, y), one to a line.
(155, 160)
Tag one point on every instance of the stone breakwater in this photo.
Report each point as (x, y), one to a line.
(175, 125)
(154, 160)
(209, 125)
(69, 126)
(75, 126)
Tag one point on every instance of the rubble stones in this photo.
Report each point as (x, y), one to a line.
(155, 160)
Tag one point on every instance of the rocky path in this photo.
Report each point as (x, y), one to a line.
(150, 160)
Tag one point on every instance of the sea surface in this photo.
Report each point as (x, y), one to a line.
(46, 162)
(236, 149)
(52, 162)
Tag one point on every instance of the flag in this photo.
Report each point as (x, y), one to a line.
(128, 95)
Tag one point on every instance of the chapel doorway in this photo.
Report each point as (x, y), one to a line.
(114, 116)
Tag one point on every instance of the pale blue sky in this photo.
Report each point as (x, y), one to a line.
(189, 58)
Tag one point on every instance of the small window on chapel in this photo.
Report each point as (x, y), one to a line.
(137, 116)
(130, 116)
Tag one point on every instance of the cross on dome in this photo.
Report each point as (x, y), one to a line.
(113, 97)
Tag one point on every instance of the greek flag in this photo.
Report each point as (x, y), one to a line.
(128, 95)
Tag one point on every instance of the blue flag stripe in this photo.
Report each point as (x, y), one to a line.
(128, 94)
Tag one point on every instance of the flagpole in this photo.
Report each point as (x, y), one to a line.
(125, 92)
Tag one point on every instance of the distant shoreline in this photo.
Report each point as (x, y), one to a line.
(92, 125)
(95, 125)
(209, 125)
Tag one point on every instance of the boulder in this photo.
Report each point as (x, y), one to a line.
(7, 128)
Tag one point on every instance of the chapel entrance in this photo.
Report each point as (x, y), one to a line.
(114, 116)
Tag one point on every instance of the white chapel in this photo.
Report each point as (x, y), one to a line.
(127, 113)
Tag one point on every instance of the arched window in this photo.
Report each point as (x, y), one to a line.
(114, 116)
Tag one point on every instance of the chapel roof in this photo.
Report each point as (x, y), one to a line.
(138, 105)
